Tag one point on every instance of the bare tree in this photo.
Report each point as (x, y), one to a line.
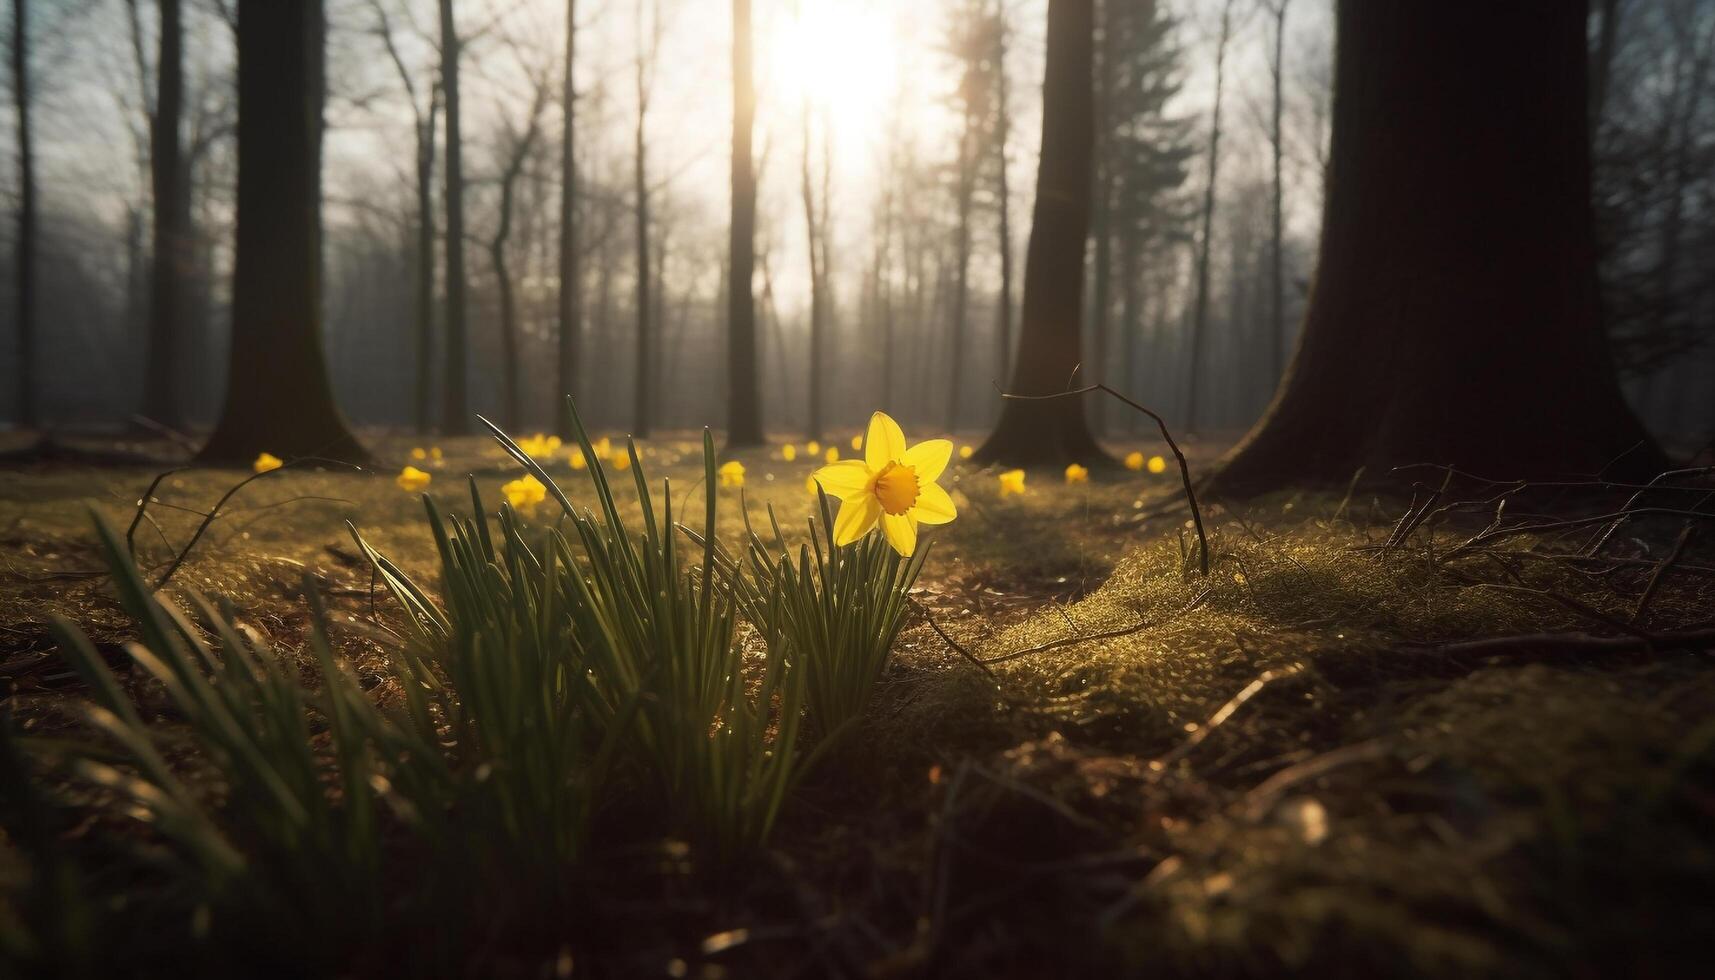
(423, 124)
(518, 144)
(172, 246)
(1054, 431)
(455, 405)
(814, 239)
(647, 49)
(25, 249)
(278, 398)
(1200, 318)
(571, 260)
(1003, 192)
(744, 397)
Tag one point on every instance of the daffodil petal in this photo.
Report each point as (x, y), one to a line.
(845, 480)
(855, 519)
(901, 532)
(929, 458)
(934, 505)
(885, 442)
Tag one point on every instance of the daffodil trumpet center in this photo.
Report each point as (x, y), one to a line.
(896, 488)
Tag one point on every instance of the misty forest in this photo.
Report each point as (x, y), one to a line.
(857, 488)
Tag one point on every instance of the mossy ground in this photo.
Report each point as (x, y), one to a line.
(1271, 769)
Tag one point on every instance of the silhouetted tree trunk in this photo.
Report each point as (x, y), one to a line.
(1102, 207)
(818, 286)
(571, 265)
(423, 258)
(515, 159)
(1003, 196)
(642, 395)
(278, 398)
(455, 404)
(25, 249)
(744, 397)
(964, 191)
(162, 399)
(1454, 318)
(1054, 431)
(1200, 317)
(1276, 139)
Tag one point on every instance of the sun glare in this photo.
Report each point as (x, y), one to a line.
(842, 56)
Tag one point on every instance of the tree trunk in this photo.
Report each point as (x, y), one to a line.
(1003, 197)
(962, 262)
(424, 306)
(455, 400)
(25, 248)
(278, 398)
(162, 381)
(818, 275)
(640, 392)
(1101, 210)
(571, 265)
(1277, 261)
(1054, 431)
(1455, 315)
(1200, 318)
(502, 274)
(744, 398)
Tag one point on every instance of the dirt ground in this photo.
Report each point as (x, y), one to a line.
(1298, 762)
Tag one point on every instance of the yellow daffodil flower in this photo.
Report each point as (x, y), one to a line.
(540, 446)
(266, 462)
(788, 452)
(1134, 461)
(435, 453)
(813, 447)
(621, 461)
(965, 452)
(892, 486)
(1077, 474)
(419, 453)
(603, 447)
(1157, 464)
(578, 460)
(857, 443)
(525, 493)
(412, 479)
(1011, 482)
(833, 455)
(731, 473)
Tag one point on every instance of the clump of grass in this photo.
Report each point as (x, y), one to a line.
(840, 609)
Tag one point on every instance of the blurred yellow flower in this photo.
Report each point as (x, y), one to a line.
(435, 453)
(603, 447)
(857, 443)
(1077, 474)
(578, 460)
(1134, 461)
(419, 453)
(539, 446)
(525, 493)
(965, 452)
(731, 473)
(621, 461)
(412, 479)
(1157, 464)
(813, 447)
(833, 455)
(788, 452)
(266, 462)
(891, 486)
(1011, 482)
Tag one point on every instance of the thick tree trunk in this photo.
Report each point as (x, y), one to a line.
(162, 399)
(1054, 431)
(744, 397)
(455, 403)
(1454, 318)
(25, 247)
(571, 265)
(278, 398)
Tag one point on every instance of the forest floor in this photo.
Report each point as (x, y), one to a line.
(1298, 762)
